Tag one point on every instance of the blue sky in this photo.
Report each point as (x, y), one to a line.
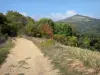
(55, 9)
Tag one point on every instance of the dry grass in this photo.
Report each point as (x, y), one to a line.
(70, 60)
(4, 50)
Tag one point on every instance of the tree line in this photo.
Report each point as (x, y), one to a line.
(13, 23)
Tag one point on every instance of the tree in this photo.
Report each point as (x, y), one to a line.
(73, 41)
(95, 42)
(16, 22)
(31, 27)
(42, 24)
(47, 30)
(4, 27)
(29, 19)
(62, 29)
(86, 42)
(44, 21)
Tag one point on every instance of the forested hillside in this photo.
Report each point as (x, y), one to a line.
(84, 24)
(51, 38)
(14, 23)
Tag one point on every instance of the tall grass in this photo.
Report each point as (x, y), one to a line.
(71, 60)
(88, 57)
(4, 50)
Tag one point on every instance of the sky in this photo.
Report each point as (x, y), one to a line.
(54, 9)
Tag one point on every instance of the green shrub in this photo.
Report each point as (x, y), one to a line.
(62, 29)
(4, 50)
(61, 38)
(73, 41)
(29, 29)
(3, 54)
(66, 40)
(3, 38)
(47, 43)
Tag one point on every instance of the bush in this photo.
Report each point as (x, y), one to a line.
(4, 50)
(3, 54)
(47, 31)
(44, 21)
(61, 38)
(29, 30)
(73, 41)
(47, 43)
(62, 29)
(16, 21)
(3, 38)
(66, 40)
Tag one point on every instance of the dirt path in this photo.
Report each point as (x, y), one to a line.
(26, 59)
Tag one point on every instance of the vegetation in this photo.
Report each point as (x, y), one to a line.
(62, 29)
(84, 24)
(4, 50)
(70, 60)
(30, 26)
(13, 24)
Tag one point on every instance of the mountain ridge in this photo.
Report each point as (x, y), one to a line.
(83, 24)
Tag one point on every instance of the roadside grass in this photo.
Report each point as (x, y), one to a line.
(70, 60)
(4, 50)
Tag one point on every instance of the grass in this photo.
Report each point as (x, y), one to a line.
(4, 50)
(70, 60)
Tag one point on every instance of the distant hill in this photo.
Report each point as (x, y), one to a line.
(84, 24)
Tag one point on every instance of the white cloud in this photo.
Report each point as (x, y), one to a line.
(56, 16)
(70, 13)
(59, 16)
(4, 13)
(24, 13)
(36, 17)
